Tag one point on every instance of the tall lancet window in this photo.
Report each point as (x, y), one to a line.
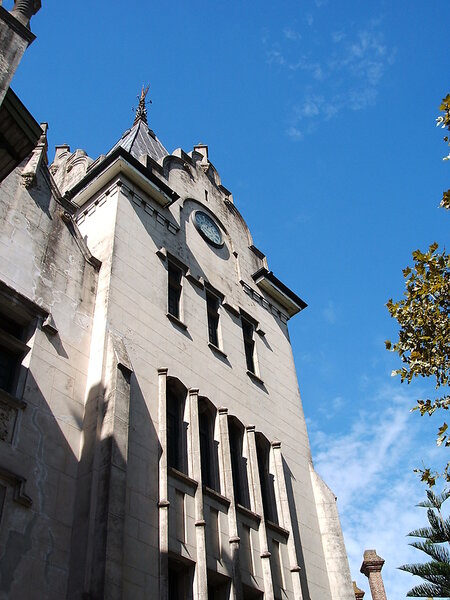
(238, 462)
(249, 344)
(266, 478)
(176, 426)
(212, 307)
(208, 445)
(174, 290)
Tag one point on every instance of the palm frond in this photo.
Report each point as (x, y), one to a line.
(437, 552)
(435, 573)
(432, 571)
(435, 500)
(428, 590)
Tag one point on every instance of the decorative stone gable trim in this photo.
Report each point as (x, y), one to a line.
(263, 302)
(136, 199)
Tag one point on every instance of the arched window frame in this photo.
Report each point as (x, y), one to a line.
(176, 394)
(266, 478)
(238, 462)
(208, 444)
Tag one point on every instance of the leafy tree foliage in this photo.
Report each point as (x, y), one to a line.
(435, 572)
(444, 122)
(424, 317)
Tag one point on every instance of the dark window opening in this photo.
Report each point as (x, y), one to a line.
(179, 582)
(218, 586)
(238, 464)
(175, 431)
(212, 305)
(277, 570)
(205, 454)
(208, 447)
(249, 345)
(12, 351)
(266, 479)
(174, 290)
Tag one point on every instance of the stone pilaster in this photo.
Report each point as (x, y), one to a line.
(163, 501)
(226, 475)
(371, 568)
(257, 503)
(285, 516)
(201, 574)
(111, 476)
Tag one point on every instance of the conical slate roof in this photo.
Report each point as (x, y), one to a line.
(140, 140)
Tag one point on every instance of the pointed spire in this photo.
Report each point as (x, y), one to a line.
(141, 111)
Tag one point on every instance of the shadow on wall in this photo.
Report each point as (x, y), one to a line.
(34, 540)
(89, 506)
(116, 514)
(296, 530)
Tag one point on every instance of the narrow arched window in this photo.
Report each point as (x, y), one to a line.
(175, 276)
(208, 445)
(238, 462)
(266, 478)
(249, 344)
(176, 427)
(212, 309)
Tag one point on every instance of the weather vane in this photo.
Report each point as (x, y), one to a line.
(141, 110)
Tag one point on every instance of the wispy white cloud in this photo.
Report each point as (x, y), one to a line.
(291, 34)
(370, 469)
(295, 133)
(342, 76)
(332, 408)
(314, 68)
(275, 57)
(337, 36)
(329, 312)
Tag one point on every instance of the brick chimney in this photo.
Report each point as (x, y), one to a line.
(359, 594)
(371, 568)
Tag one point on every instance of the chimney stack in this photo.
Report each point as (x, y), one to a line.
(371, 568)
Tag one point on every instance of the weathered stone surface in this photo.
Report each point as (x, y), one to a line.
(109, 514)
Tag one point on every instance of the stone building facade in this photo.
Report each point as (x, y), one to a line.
(152, 439)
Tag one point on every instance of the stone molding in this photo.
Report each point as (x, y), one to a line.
(18, 482)
(263, 302)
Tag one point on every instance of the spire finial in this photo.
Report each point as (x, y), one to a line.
(141, 111)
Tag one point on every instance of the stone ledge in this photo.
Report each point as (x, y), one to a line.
(176, 474)
(255, 377)
(176, 321)
(215, 495)
(217, 350)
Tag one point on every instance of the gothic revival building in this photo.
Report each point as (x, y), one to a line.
(152, 439)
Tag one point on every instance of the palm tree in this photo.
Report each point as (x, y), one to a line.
(436, 572)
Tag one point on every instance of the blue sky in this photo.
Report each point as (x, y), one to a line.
(319, 116)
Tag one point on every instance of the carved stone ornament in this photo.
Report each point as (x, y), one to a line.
(23, 10)
(7, 420)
